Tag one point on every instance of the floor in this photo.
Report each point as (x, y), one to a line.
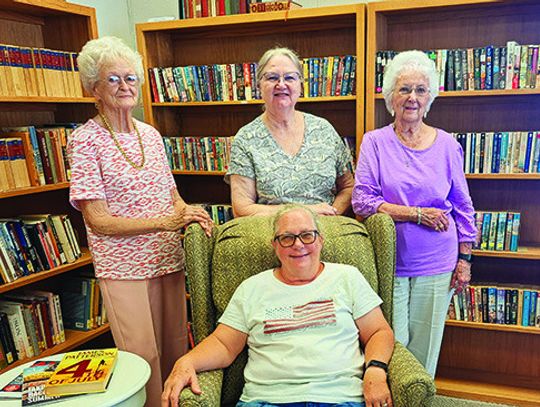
(443, 401)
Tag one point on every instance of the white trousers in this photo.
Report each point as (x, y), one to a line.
(420, 308)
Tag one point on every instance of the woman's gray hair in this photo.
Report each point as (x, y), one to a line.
(287, 208)
(406, 62)
(103, 51)
(279, 51)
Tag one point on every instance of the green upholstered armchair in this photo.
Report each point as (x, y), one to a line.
(241, 248)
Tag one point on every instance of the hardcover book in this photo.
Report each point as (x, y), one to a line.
(85, 371)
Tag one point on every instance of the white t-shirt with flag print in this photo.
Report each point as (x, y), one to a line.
(303, 341)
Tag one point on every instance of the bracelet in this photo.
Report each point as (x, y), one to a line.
(418, 215)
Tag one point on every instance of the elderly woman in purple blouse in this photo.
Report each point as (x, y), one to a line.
(414, 173)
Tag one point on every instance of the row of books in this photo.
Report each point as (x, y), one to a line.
(330, 76)
(325, 76)
(512, 66)
(497, 230)
(82, 302)
(30, 323)
(214, 8)
(33, 243)
(28, 71)
(507, 152)
(496, 305)
(204, 83)
(198, 153)
(34, 156)
(219, 213)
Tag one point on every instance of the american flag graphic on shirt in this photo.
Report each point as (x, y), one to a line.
(313, 314)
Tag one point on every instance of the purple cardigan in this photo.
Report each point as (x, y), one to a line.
(390, 172)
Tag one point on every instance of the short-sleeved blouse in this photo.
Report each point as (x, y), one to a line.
(99, 171)
(309, 177)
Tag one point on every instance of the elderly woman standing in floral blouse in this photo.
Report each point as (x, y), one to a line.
(284, 155)
(122, 184)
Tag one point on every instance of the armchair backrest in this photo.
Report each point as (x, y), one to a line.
(241, 248)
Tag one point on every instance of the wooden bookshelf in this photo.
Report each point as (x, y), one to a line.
(312, 32)
(524, 253)
(73, 340)
(495, 327)
(503, 358)
(203, 173)
(33, 190)
(57, 25)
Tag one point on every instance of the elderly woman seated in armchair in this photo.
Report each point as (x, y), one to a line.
(305, 324)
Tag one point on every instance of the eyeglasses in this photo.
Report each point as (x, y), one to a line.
(288, 77)
(115, 80)
(288, 239)
(419, 90)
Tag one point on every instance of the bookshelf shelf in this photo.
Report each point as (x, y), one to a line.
(312, 32)
(85, 259)
(42, 99)
(73, 340)
(33, 190)
(531, 177)
(500, 393)
(204, 173)
(482, 93)
(457, 24)
(524, 253)
(495, 327)
(253, 102)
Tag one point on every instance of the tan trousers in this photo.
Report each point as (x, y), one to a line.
(149, 318)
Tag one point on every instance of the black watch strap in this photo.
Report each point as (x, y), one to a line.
(465, 256)
(377, 363)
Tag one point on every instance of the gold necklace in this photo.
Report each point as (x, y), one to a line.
(117, 143)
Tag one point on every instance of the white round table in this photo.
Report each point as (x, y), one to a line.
(126, 388)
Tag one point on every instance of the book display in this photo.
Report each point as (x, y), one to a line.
(488, 353)
(319, 35)
(42, 236)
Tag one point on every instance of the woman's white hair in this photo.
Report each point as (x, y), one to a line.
(101, 52)
(406, 62)
(279, 51)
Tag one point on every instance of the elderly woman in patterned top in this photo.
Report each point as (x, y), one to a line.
(123, 186)
(284, 155)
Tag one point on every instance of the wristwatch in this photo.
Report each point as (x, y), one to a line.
(377, 363)
(465, 256)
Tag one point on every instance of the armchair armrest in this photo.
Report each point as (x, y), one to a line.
(410, 384)
(210, 383)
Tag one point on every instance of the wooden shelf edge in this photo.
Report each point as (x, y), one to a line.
(488, 392)
(529, 177)
(85, 259)
(73, 339)
(494, 327)
(253, 102)
(524, 253)
(480, 93)
(33, 190)
(205, 173)
(42, 99)
(250, 18)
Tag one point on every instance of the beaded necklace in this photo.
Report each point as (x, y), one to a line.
(117, 143)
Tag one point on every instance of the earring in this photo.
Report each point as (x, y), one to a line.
(425, 114)
(392, 113)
